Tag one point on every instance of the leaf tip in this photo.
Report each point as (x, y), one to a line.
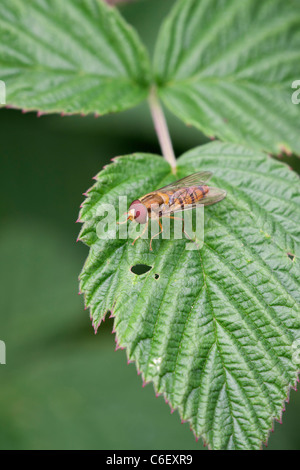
(284, 149)
(95, 325)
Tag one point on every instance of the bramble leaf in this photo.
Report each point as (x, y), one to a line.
(227, 67)
(70, 56)
(214, 329)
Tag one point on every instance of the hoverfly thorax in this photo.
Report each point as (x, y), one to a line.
(138, 212)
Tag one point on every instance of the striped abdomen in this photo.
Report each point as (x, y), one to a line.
(187, 196)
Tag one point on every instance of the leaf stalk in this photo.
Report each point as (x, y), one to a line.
(161, 129)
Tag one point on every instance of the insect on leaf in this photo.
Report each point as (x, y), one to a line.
(214, 329)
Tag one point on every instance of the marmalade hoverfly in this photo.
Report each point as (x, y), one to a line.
(182, 195)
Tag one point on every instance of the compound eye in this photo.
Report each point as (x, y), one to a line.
(140, 212)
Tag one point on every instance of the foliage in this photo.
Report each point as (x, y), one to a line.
(214, 329)
(227, 67)
(76, 56)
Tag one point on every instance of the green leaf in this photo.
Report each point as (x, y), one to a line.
(56, 370)
(227, 67)
(214, 329)
(71, 56)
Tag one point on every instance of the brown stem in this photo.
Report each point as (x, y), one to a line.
(161, 129)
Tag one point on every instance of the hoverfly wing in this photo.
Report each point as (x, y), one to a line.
(191, 180)
(214, 195)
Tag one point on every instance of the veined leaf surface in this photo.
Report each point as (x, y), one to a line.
(70, 56)
(216, 329)
(227, 67)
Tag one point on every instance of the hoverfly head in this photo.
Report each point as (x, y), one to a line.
(138, 212)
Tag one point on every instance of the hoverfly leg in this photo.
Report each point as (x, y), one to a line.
(161, 230)
(187, 235)
(141, 234)
(179, 218)
(121, 223)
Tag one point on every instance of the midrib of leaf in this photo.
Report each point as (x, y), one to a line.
(248, 287)
(266, 115)
(255, 376)
(256, 110)
(176, 266)
(253, 36)
(27, 34)
(184, 24)
(225, 371)
(219, 351)
(227, 68)
(74, 66)
(59, 30)
(235, 99)
(215, 80)
(251, 39)
(184, 329)
(222, 320)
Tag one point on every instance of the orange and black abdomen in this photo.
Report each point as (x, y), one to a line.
(187, 196)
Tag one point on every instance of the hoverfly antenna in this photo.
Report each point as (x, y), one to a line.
(120, 223)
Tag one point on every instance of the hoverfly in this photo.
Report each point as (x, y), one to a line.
(182, 195)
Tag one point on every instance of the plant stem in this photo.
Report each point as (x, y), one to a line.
(161, 129)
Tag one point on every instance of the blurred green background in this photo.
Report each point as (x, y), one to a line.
(63, 387)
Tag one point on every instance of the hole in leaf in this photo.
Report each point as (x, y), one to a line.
(140, 269)
(156, 276)
(291, 256)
